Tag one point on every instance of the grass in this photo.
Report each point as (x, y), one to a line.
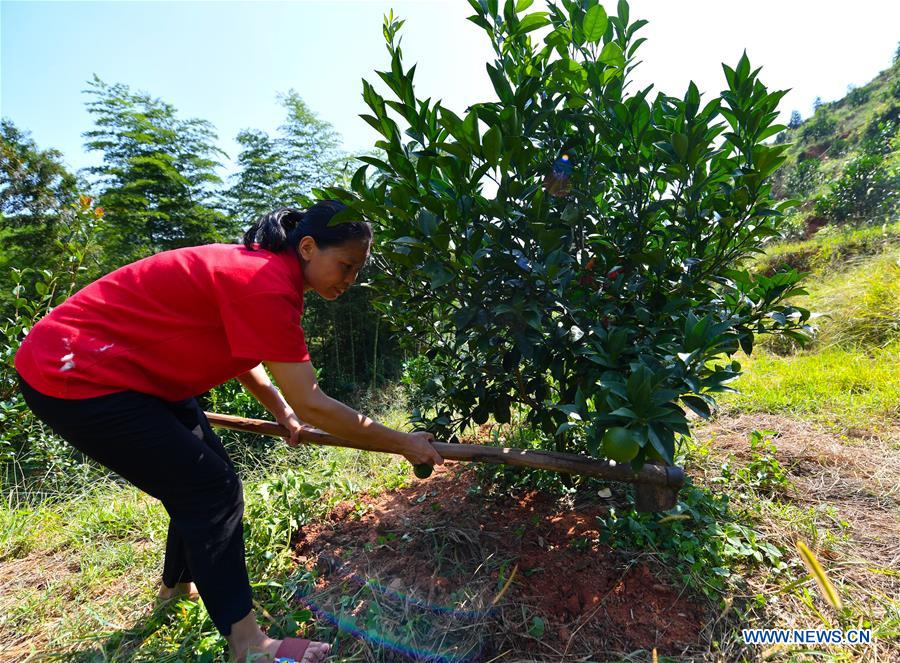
(73, 567)
(85, 571)
(841, 388)
(843, 391)
(826, 504)
(109, 511)
(830, 248)
(79, 570)
(847, 379)
(861, 304)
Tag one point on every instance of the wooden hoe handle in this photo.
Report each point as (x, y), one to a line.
(657, 475)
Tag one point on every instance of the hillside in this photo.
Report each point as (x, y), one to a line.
(842, 163)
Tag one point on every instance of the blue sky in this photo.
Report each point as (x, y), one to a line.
(226, 61)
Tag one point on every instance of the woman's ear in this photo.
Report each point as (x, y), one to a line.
(307, 247)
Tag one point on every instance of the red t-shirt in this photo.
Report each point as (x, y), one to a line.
(172, 325)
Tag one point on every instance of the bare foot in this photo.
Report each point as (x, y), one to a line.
(186, 589)
(247, 642)
(316, 652)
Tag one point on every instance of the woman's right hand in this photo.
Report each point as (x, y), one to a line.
(417, 449)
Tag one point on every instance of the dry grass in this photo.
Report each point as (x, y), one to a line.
(845, 503)
(42, 594)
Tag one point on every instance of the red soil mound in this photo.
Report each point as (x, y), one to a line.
(435, 538)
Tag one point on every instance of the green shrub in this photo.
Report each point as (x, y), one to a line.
(803, 178)
(881, 133)
(794, 227)
(838, 147)
(867, 191)
(421, 383)
(857, 96)
(819, 126)
(569, 251)
(32, 459)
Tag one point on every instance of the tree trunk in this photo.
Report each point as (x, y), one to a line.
(337, 344)
(375, 353)
(352, 346)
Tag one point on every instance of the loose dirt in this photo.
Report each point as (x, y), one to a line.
(440, 541)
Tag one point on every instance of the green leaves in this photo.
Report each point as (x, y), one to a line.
(492, 144)
(157, 172)
(566, 249)
(501, 85)
(469, 129)
(698, 405)
(438, 273)
(35, 193)
(502, 411)
(537, 627)
(612, 55)
(595, 22)
(427, 222)
(532, 22)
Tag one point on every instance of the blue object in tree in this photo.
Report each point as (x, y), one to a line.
(559, 181)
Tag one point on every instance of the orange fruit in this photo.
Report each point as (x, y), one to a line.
(620, 444)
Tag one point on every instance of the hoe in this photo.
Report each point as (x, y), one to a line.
(656, 485)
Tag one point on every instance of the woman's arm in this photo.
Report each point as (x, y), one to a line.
(297, 381)
(257, 382)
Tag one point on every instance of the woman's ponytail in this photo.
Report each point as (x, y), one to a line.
(285, 227)
(271, 231)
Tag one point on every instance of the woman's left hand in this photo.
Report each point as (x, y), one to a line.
(294, 426)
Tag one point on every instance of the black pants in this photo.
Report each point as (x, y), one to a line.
(167, 449)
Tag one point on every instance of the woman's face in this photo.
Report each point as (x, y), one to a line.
(332, 270)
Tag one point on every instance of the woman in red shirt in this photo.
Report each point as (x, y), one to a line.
(115, 368)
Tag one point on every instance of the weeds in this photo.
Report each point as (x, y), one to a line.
(81, 559)
(862, 306)
(763, 474)
(708, 549)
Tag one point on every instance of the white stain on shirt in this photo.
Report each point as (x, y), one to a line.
(68, 362)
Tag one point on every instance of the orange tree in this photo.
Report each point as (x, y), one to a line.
(572, 250)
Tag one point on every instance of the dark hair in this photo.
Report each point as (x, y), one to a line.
(284, 228)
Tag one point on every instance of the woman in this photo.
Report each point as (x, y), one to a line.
(115, 368)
